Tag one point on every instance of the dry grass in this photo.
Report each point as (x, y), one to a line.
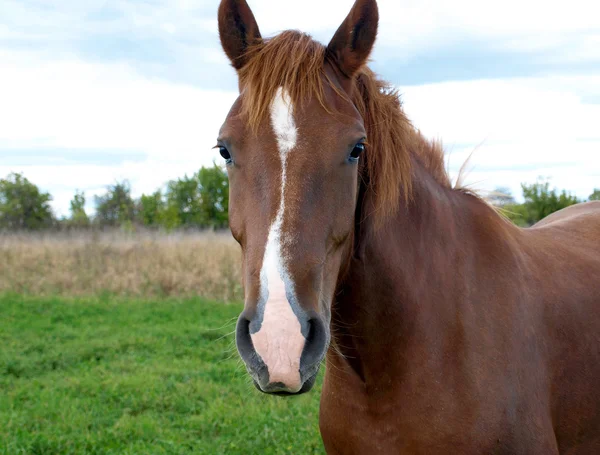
(125, 264)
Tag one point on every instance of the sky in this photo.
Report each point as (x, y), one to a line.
(93, 92)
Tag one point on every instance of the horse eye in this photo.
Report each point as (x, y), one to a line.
(225, 154)
(356, 151)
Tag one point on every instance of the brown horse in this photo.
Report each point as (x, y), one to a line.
(446, 328)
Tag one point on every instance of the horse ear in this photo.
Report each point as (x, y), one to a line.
(352, 43)
(238, 30)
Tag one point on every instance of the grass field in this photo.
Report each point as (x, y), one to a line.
(118, 376)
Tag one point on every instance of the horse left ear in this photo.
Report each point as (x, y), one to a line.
(352, 43)
(238, 30)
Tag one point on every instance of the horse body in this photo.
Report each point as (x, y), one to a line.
(446, 328)
(488, 334)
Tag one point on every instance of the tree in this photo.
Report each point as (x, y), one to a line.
(150, 209)
(78, 216)
(214, 194)
(501, 196)
(540, 201)
(595, 196)
(183, 203)
(116, 207)
(23, 205)
(198, 201)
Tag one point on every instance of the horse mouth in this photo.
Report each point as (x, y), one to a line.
(280, 390)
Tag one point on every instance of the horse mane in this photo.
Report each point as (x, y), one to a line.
(294, 61)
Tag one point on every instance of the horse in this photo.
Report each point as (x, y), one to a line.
(445, 328)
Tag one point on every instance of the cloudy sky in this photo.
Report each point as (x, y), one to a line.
(96, 91)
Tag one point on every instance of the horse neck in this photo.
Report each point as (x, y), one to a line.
(408, 278)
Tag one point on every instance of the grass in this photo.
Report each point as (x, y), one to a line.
(131, 376)
(137, 264)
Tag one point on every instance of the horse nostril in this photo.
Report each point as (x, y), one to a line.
(254, 363)
(316, 343)
(242, 337)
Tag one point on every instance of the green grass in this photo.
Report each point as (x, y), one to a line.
(99, 376)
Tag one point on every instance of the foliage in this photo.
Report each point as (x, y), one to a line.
(105, 376)
(183, 202)
(22, 205)
(150, 209)
(198, 201)
(214, 194)
(78, 216)
(541, 201)
(595, 196)
(116, 206)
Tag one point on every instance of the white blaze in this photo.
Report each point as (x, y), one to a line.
(279, 342)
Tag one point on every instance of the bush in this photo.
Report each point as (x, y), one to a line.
(79, 218)
(116, 207)
(540, 201)
(198, 201)
(22, 205)
(150, 209)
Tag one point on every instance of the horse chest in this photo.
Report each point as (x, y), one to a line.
(353, 423)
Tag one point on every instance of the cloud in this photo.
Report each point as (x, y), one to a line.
(411, 29)
(177, 39)
(160, 39)
(517, 129)
(123, 125)
(64, 156)
(75, 104)
(543, 110)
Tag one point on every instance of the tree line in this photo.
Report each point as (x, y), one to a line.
(201, 201)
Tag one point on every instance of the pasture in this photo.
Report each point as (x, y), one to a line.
(116, 375)
(132, 264)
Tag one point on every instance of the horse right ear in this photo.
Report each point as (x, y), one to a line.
(352, 43)
(238, 30)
